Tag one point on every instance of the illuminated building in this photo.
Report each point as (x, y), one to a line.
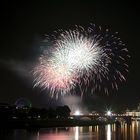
(134, 113)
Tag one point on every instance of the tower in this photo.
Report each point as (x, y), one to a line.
(138, 108)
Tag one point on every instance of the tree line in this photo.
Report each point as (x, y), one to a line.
(25, 112)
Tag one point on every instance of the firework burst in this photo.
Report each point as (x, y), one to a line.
(82, 57)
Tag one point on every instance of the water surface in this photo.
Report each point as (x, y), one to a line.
(104, 132)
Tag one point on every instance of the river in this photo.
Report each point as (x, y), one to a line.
(104, 132)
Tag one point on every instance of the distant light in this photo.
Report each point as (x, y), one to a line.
(77, 113)
(109, 113)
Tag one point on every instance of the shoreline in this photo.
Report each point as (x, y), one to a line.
(37, 124)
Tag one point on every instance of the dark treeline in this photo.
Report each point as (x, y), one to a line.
(25, 112)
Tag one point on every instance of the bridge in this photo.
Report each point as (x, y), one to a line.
(74, 120)
(120, 118)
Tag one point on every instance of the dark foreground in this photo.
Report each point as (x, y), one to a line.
(98, 132)
(37, 124)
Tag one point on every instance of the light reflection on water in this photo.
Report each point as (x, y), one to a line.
(107, 132)
(76, 133)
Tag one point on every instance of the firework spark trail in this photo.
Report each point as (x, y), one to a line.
(82, 57)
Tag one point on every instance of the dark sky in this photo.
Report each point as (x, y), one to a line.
(24, 24)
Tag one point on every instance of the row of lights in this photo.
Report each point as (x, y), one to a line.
(78, 113)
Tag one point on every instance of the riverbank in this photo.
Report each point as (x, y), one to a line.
(37, 124)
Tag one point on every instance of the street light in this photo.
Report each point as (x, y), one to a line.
(77, 113)
(109, 113)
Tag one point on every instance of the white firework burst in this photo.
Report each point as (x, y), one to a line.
(82, 57)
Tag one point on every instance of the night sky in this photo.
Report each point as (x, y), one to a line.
(23, 26)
